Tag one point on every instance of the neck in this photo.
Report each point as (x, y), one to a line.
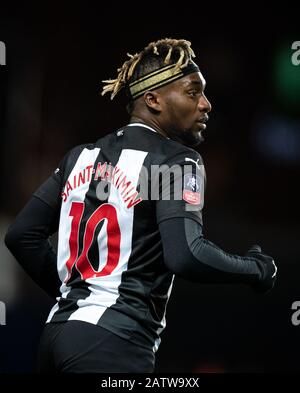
(148, 122)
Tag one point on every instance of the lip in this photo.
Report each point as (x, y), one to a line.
(202, 122)
(201, 125)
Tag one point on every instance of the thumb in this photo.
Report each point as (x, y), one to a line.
(255, 248)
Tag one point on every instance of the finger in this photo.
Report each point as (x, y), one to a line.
(275, 272)
(255, 248)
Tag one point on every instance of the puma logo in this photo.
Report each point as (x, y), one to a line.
(196, 162)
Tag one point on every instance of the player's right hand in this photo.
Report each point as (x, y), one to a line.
(267, 267)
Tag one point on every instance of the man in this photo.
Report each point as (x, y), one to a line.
(128, 211)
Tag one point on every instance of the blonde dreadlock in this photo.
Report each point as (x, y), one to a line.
(127, 70)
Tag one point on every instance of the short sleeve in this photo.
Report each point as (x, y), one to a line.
(181, 183)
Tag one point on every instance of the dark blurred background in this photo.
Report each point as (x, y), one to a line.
(56, 56)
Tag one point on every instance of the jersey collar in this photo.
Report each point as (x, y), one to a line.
(141, 125)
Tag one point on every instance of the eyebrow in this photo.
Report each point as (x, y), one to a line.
(195, 83)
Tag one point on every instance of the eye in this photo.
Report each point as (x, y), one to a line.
(193, 93)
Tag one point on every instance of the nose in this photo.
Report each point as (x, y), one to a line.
(204, 104)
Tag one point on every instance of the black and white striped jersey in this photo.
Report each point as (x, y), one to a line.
(110, 195)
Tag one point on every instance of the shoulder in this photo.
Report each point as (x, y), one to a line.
(75, 151)
(180, 154)
(71, 157)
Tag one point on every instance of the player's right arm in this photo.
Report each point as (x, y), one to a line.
(188, 254)
(186, 251)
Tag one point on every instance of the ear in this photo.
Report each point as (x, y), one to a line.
(153, 100)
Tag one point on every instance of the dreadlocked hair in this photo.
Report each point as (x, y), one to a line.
(156, 55)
